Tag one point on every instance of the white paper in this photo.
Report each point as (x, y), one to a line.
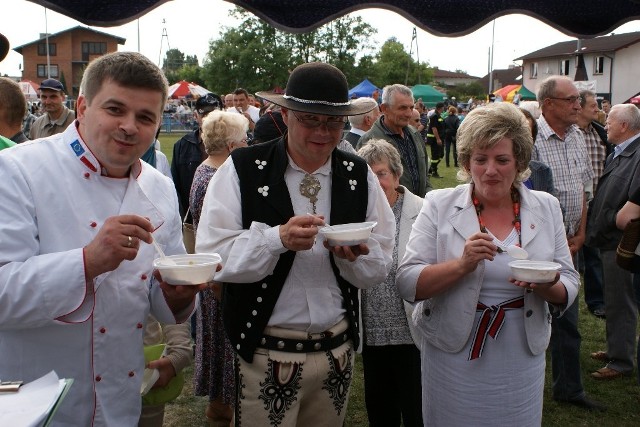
(30, 406)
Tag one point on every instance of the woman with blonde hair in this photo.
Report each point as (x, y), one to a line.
(484, 334)
(222, 132)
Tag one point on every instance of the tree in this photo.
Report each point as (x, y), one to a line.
(256, 56)
(177, 66)
(462, 92)
(394, 65)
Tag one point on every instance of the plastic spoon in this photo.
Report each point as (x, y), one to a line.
(326, 224)
(517, 252)
(163, 257)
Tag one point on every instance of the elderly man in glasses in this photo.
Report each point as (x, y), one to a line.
(561, 146)
(290, 299)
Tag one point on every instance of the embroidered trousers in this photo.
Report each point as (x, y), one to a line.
(283, 389)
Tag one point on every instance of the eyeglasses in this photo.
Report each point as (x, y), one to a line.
(383, 174)
(313, 123)
(569, 99)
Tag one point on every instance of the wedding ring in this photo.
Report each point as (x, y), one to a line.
(130, 242)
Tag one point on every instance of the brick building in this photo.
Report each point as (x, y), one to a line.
(69, 51)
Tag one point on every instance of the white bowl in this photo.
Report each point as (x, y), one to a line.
(348, 234)
(534, 271)
(187, 269)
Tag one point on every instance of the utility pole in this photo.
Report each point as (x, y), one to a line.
(164, 35)
(413, 37)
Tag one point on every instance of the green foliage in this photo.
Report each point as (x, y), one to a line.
(393, 64)
(256, 56)
(464, 91)
(176, 66)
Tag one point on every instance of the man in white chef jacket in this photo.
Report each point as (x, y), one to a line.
(76, 276)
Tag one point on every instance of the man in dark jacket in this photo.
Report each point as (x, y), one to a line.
(393, 127)
(188, 152)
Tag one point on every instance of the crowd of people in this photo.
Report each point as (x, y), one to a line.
(447, 335)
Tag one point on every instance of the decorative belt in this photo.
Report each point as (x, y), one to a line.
(490, 323)
(292, 345)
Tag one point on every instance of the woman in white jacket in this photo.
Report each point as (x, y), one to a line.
(485, 334)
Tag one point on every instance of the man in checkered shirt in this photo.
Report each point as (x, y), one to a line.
(560, 144)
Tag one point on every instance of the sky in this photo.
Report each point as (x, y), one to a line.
(515, 35)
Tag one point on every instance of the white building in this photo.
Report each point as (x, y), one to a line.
(612, 63)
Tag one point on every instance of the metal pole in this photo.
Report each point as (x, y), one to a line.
(46, 38)
(493, 36)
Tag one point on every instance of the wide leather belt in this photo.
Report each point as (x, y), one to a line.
(304, 345)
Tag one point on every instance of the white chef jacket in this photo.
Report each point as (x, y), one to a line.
(54, 202)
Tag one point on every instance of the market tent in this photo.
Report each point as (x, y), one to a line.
(526, 94)
(507, 92)
(29, 89)
(364, 89)
(184, 89)
(592, 17)
(430, 96)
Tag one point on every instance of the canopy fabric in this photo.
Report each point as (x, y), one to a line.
(507, 92)
(430, 96)
(589, 18)
(526, 94)
(364, 89)
(29, 89)
(184, 89)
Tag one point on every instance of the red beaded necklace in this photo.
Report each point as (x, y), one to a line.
(515, 198)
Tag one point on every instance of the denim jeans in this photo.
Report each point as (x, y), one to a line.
(565, 354)
(593, 277)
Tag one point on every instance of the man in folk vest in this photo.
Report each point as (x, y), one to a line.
(290, 300)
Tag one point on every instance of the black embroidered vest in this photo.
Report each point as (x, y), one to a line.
(265, 198)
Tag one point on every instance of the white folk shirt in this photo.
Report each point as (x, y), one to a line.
(310, 299)
(54, 202)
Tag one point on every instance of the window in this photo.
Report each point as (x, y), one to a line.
(42, 70)
(94, 48)
(598, 65)
(564, 67)
(42, 49)
(534, 70)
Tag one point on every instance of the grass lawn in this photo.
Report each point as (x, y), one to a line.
(622, 396)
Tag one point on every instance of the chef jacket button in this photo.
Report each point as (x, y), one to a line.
(131, 373)
(248, 324)
(238, 346)
(87, 175)
(264, 286)
(242, 335)
(139, 326)
(427, 312)
(143, 277)
(103, 330)
(529, 313)
(255, 313)
(98, 378)
(93, 224)
(259, 299)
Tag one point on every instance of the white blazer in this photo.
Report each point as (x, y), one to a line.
(54, 202)
(446, 221)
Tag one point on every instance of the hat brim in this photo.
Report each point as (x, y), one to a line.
(315, 108)
(4, 47)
